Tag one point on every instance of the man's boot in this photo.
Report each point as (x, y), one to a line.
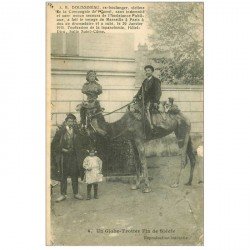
(151, 123)
(148, 115)
(95, 191)
(61, 198)
(89, 186)
(78, 197)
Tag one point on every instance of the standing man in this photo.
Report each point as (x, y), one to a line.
(151, 87)
(64, 149)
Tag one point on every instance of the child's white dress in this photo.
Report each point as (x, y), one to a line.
(93, 166)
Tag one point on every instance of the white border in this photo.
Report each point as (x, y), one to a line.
(227, 161)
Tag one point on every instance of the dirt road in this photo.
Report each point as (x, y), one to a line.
(121, 216)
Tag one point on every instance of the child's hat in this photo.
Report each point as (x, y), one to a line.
(92, 150)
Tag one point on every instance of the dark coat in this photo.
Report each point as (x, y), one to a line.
(80, 145)
(152, 90)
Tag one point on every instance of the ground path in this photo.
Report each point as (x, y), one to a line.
(177, 212)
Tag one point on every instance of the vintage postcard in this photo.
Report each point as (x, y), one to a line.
(125, 123)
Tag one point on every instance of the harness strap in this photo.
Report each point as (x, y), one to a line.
(111, 111)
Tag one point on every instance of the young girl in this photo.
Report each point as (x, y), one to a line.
(93, 166)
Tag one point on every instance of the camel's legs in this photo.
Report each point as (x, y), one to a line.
(137, 183)
(138, 179)
(183, 158)
(141, 151)
(192, 159)
(184, 151)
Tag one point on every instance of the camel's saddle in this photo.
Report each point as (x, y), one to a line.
(157, 116)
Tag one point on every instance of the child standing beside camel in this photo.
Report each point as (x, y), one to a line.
(93, 166)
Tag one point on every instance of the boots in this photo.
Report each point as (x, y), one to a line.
(89, 186)
(95, 191)
(78, 197)
(62, 197)
(149, 117)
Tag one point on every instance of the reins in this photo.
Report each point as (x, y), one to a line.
(109, 113)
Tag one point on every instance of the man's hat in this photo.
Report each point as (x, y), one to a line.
(70, 116)
(149, 67)
(171, 100)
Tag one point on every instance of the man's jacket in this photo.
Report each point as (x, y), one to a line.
(152, 90)
(80, 144)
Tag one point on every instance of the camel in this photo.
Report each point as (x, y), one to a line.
(131, 125)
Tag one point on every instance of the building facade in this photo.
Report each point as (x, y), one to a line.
(120, 72)
(72, 55)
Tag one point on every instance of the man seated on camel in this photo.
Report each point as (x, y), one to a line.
(151, 88)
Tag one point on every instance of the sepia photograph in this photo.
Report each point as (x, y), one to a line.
(125, 124)
(125, 132)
